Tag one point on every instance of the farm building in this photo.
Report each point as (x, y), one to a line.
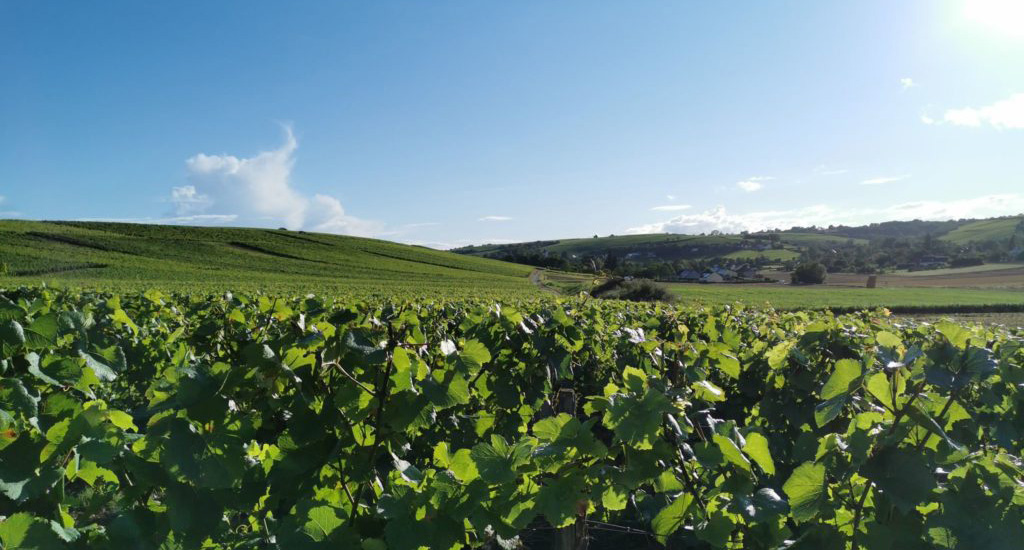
(712, 277)
(688, 275)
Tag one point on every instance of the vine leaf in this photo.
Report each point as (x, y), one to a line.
(756, 447)
(806, 490)
(671, 517)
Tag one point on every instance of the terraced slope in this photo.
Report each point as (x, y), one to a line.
(984, 230)
(94, 253)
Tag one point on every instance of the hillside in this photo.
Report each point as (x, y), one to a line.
(119, 254)
(909, 242)
(984, 230)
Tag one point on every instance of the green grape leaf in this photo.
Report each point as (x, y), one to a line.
(956, 334)
(614, 498)
(731, 451)
(12, 333)
(844, 375)
(878, 385)
(463, 466)
(902, 475)
(671, 518)
(321, 521)
(888, 339)
(42, 332)
(22, 531)
(806, 490)
(756, 447)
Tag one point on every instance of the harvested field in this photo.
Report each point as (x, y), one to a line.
(992, 276)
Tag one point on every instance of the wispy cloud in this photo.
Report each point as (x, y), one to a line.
(197, 219)
(258, 191)
(823, 170)
(670, 197)
(670, 207)
(8, 213)
(823, 215)
(494, 219)
(885, 179)
(907, 83)
(1005, 114)
(753, 183)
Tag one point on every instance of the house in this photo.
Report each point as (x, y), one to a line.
(712, 277)
(932, 262)
(725, 273)
(748, 272)
(688, 275)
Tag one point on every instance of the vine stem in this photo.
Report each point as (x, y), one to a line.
(857, 514)
(342, 370)
(945, 409)
(378, 421)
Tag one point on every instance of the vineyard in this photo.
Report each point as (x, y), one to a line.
(175, 421)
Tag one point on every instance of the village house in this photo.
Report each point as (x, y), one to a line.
(688, 275)
(712, 277)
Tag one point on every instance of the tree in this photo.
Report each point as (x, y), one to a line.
(809, 273)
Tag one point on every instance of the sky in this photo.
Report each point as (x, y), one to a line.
(447, 123)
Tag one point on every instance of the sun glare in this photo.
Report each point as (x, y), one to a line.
(1004, 16)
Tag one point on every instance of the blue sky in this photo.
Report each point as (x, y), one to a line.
(448, 123)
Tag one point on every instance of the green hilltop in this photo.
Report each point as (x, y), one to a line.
(122, 255)
(773, 246)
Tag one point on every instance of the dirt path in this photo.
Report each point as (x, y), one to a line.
(537, 278)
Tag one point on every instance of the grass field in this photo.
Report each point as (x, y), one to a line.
(989, 276)
(774, 255)
(960, 270)
(983, 230)
(819, 297)
(813, 297)
(117, 255)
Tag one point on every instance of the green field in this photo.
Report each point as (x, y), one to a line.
(804, 239)
(141, 257)
(984, 230)
(774, 255)
(958, 270)
(117, 255)
(821, 297)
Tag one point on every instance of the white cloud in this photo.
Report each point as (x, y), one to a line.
(753, 184)
(1005, 114)
(823, 215)
(258, 191)
(884, 179)
(197, 219)
(670, 207)
(494, 219)
(8, 213)
(823, 170)
(670, 197)
(907, 83)
(187, 199)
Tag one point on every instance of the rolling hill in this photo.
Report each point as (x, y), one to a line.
(121, 255)
(984, 230)
(788, 244)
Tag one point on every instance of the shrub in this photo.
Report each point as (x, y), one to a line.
(967, 261)
(636, 290)
(809, 273)
(4, 270)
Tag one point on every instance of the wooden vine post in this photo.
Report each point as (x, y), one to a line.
(573, 537)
